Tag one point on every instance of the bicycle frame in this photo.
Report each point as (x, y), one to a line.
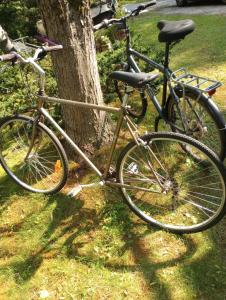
(164, 69)
(131, 53)
(122, 117)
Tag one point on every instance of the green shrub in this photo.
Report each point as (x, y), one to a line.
(19, 86)
(18, 17)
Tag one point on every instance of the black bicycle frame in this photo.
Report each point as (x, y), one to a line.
(163, 68)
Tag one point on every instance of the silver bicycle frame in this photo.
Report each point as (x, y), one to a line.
(122, 117)
(122, 111)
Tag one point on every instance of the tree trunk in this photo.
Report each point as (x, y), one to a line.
(69, 22)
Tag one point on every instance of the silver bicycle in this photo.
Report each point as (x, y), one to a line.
(161, 182)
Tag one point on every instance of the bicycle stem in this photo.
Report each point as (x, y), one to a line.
(36, 67)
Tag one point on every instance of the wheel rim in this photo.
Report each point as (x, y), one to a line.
(192, 193)
(200, 123)
(43, 169)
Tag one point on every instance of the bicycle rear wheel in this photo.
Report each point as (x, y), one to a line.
(204, 120)
(168, 188)
(45, 170)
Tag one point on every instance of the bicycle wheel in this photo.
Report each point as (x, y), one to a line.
(45, 170)
(204, 120)
(137, 101)
(168, 188)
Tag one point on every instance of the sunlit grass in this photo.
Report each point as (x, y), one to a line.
(93, 247)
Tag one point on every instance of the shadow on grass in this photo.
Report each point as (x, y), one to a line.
(71, 219)
(133, 242)
(8, 189)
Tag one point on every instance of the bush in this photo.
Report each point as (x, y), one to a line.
(18, 17)
(19, 86)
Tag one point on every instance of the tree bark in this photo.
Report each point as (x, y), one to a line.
(69, 22)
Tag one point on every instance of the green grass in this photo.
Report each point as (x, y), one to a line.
(203, 49)
(92, 247)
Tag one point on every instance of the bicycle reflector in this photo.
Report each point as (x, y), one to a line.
(58, 166)
(212, 92)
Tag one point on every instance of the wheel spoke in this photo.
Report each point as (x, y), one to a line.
(191, 193)
(38, 172)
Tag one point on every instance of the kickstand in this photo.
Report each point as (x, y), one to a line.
(77, 189)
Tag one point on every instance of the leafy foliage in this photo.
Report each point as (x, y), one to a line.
(18, 17)
(18, 88)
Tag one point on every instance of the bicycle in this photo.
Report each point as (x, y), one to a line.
(161, 183)
(188, 108)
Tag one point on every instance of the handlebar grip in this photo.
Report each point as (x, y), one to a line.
(141, 7)
(52, 48)
(149, 4)
(8, 57)
(101, 25)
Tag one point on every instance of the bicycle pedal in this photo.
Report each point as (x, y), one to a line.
(75, 191)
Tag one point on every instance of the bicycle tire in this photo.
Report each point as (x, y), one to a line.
(46, 169)
(214, 121)
(137, 113)
(171, 206)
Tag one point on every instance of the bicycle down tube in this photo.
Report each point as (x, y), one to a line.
(122, 117)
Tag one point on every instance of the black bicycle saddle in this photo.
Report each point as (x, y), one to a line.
(174, 30)
(136, 80)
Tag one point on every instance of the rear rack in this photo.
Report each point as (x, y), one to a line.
(202, 84)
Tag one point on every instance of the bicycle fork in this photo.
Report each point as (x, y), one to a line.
(33, 137)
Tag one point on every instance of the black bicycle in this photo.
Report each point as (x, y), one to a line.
(186, 105)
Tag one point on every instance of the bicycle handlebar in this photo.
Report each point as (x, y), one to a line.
(37, 55)
(144, 6)
(52, 48)
(106, 23)
(8, 57)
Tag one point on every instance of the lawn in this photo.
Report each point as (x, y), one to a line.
(91, 246)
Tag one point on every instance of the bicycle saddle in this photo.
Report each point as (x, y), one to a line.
(174, 30)
(136, 80)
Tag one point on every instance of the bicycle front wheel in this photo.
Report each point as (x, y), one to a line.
(167, 187)
(136, 102)
(46, 167)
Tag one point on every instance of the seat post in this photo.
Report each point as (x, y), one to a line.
(167, 53)
(166, 66)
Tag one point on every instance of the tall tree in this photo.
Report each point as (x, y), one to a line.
(69, 22)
